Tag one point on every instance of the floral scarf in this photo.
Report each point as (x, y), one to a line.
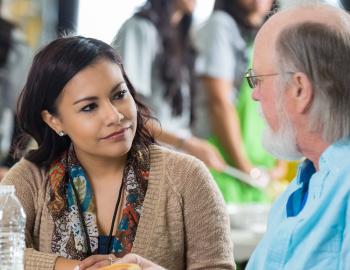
(68, 239)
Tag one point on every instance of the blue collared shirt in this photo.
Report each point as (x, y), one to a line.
(312, 229)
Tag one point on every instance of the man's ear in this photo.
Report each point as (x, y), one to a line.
(52, 121)
(302, 92)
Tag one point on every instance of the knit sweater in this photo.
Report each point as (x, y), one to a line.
(183, 225)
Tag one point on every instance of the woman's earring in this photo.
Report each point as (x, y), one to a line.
(61, 133)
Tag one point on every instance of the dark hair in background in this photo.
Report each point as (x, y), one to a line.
(240, 14)
(6, 29)
(345, 4)
(177, 50)
(53, 67)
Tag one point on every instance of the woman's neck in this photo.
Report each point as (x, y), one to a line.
(102, 169)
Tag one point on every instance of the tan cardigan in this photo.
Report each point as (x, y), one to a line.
(184, 224)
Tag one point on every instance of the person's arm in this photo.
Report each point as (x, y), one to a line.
(192, 145)
(216, 66)
(225, 120)
(279, 171)
(207, 227)
(45, 261)
(3, 171)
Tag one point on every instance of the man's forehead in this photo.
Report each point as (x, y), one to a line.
(320, 13)
(317, 13)
(265, 42)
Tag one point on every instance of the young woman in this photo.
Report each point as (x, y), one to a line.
(156, 49)
(98, 187)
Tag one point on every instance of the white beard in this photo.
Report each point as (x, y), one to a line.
(281, 144)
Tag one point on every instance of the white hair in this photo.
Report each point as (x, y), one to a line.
(322, 51)
(282, 143)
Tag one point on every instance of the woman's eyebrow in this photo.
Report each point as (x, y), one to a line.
(93, 98)
(117, 86)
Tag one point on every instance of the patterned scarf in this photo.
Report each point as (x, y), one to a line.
(68, 239)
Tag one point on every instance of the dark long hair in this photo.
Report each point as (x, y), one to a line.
(240, 15)
(53, 67)
(6, 29)
(177, 51)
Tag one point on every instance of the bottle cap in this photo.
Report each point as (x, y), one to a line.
(7, 189)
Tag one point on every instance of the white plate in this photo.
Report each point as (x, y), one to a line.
(250, 216)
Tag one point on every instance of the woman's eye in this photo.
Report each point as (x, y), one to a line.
(120, 94)
(89, 107)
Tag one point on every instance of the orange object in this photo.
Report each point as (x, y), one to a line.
(122, 266)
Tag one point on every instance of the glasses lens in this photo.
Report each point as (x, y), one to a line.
(250, 81)
(250, 78)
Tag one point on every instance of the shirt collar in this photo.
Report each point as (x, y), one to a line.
(305, 171)
(335, 156)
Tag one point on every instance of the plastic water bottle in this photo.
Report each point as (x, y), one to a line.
(12, 226)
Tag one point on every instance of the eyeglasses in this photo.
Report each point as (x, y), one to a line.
(253, 80)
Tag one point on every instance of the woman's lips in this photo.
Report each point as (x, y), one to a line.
(116, 135)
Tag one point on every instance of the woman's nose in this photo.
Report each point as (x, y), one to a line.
(112, 115)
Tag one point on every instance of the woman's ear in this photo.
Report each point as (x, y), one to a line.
(52, 121)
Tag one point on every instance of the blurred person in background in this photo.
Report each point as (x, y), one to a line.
(15, 58)
(158, 55)
(225, 113)
(97, 186)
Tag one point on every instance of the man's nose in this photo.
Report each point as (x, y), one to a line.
(256, 94)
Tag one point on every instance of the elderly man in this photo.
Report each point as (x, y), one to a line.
(300, 77)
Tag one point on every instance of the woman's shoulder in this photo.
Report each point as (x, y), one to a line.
(139, 32)
(25, 172)
(223, 19)
(177, 168)
(167, 156)
(219, 26)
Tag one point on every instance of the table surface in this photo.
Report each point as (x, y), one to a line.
(244, 242)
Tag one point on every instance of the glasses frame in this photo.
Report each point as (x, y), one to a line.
(252, 78)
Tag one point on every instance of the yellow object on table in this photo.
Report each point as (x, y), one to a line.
(292, 170)
(122, 266)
